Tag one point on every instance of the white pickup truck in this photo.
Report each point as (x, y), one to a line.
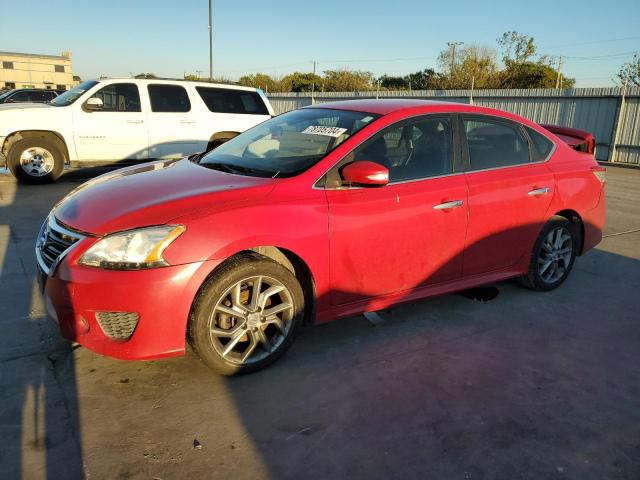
(121, 120)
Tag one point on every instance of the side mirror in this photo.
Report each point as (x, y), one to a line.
(93, 104)
(366, 173)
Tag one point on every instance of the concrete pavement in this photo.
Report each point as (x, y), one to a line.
(527, 385)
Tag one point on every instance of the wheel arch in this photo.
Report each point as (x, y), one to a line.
(288, 259)
(21, 134)
(219, 138)
(575, 218)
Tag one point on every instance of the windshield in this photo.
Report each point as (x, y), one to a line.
(70, 96)
(287, 144)
(6, 94)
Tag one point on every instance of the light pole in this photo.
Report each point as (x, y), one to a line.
(210, 45)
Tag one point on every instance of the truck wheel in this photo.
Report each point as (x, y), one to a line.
(36, 160)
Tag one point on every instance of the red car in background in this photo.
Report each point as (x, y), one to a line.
(320, 213)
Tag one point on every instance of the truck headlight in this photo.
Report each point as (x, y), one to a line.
(132, 249)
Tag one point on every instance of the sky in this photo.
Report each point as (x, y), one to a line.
(170, 38)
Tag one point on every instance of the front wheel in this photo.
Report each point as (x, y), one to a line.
(246, 315)
(36, 160)
(553, 255)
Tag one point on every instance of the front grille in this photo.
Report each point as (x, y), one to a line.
(118, 325)
(53, 243)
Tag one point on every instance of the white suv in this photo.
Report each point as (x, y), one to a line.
(114, 120)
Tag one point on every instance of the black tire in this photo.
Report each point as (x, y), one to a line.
(51, 145)
(545, 280)
(213, 293)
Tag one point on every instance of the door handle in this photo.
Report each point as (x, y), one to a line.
(538, 191)
(448, 205)
(135, 121)
(187, 121)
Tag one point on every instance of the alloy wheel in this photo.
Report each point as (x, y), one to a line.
(251, 319)
(556, 252)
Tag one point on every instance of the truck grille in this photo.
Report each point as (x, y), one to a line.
(54, 241)
(118, 325)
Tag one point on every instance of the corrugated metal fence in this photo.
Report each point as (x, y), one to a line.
(611, 114)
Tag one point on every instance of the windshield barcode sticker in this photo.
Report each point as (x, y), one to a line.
(326, 131)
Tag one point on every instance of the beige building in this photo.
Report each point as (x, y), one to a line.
(29, 70)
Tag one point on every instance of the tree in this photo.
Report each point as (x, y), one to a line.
(347, 81)
(300, 82)
(473, 64)
(261, 80)
(520, 71)
(629, 73)
(426, 79)
(421, 80)
(393, 83)
(532, 75)
(516, 48)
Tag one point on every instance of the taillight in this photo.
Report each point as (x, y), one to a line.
(600, 173)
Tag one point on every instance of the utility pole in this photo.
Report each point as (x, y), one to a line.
(453, 46)
(313, 83)
(558, 78)
(210, 44)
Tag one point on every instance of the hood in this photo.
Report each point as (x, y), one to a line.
(154, 194)
(23, 106)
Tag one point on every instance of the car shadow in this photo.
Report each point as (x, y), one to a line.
(39, 422)
(525, 385)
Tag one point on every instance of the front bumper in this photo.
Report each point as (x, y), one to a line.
(161, 298)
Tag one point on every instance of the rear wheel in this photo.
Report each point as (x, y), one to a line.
(246, 315)
(36, 160)
(553, 255)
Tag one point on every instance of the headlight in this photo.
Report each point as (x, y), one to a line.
(133, 249)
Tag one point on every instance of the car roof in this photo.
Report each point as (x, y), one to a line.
(382, 106)
(15, 90)
(386, 106)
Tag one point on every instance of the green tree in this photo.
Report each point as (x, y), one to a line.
(347, 81)
(261, 80)
(393, 83)
(533, 75)
(300, 82)
(426, 79)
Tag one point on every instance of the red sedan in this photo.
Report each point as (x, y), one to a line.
(319, 213)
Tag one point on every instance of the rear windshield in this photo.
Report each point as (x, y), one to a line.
(287, 144)
(223, 100)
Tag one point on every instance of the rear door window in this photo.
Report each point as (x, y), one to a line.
(542, 146)
(494, 143)
(40, 96)
(168, 98)
(222, 100)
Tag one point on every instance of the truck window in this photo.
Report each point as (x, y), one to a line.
(168, 98)
(221, 100)
(119, 97)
